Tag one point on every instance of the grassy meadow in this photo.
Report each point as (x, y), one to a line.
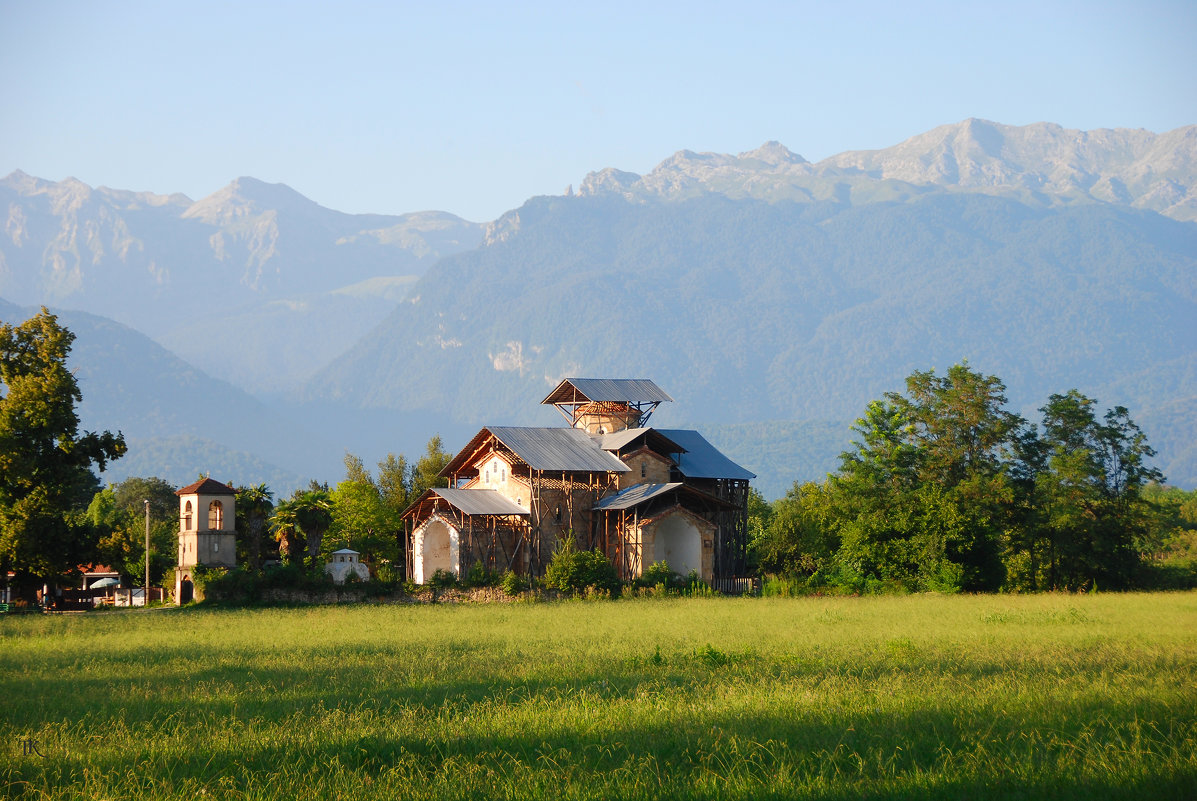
(930, 697)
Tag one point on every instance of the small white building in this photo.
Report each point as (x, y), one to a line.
(345, 563)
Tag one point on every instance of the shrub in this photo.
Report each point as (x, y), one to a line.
(479, 576)
(512, 583)
(659, 574)
(442, 579)
(573, 571)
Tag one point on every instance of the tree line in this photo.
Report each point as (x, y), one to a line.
(55, 516)
(945, 489)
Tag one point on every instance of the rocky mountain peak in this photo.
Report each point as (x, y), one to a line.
(774, 153)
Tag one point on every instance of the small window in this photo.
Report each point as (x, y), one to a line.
(558, 514)
(215, 547)
(187, 517)
(643, 469)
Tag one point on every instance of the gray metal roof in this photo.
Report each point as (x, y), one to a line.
(552, 449)
(702, 459)
(632, 496)
(480, 502)
(622, 390)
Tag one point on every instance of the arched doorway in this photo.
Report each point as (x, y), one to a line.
(186, 592)
(678, 544)
(436, 551)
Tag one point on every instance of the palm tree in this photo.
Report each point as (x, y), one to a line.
(313, 513)
(254, 507)
(285, 525)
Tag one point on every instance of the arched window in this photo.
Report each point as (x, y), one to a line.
(215, 516)
(187, 516)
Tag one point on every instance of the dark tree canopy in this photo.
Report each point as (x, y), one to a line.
(46, 480)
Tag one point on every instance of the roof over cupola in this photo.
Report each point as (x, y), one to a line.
(206, 486)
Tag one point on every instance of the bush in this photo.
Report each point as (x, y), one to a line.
(442, 579)
(573, 571)
(479, 576)
(512, 583)
(659, 574)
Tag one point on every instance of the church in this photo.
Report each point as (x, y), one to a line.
(638, 494)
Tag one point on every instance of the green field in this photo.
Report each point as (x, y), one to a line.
(1021, 697)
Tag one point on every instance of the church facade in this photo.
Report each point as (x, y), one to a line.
(638, 494)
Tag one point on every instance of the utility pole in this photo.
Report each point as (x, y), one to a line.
(147, 554)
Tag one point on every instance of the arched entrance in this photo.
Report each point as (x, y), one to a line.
(435, 551)
(678, 544)
(186, 592)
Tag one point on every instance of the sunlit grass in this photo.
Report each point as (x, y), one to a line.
(929, 697)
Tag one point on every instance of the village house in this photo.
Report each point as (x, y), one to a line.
(640, 495)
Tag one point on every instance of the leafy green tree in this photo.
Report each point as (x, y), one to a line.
(46, 481)
(394, 482)
(925, 499)
(798, 537)
(1090, 491)
(255, 504)
(426, 473)
(118, 515)
(361, 518)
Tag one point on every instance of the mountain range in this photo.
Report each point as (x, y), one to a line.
(772, 297)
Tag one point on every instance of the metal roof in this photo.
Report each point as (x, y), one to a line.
(621, 390)
(702, 459)
(558, 449)
(632, 496)
(480, 502)
(620, 439)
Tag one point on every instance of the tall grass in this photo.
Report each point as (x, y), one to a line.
(1057, 696)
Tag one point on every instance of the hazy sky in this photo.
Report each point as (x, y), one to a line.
(474, 107)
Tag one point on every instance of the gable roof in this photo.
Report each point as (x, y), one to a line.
(643, 493)
(701, 459)
(619, 440)
(206, 486)
(483, 502)
(547, 449)
(620, 390)
(632, 496)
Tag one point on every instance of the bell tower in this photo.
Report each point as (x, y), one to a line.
(207, 532)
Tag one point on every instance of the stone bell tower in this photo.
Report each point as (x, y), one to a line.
(207, 532)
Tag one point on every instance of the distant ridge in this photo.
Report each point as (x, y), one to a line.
(1041, 163)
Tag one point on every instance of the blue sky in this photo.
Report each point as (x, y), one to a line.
(474, 107)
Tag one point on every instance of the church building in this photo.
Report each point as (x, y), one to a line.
(638, 494)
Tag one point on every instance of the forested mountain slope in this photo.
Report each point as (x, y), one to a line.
(748, 310)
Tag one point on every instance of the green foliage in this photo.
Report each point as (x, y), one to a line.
(45, 464)
(575, 571)
(255, 505)
(479, 576)
(118, 516)
(442, 579)
(513, 583)
(946, 491)
(361, 517)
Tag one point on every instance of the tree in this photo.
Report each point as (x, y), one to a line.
(118, 515)
(924, 499)
(426, 473)
(254, 507)
(394, 482)
(361, 518)
(45, 464)
(797, 537)
(1089, 487)
(312, 512)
